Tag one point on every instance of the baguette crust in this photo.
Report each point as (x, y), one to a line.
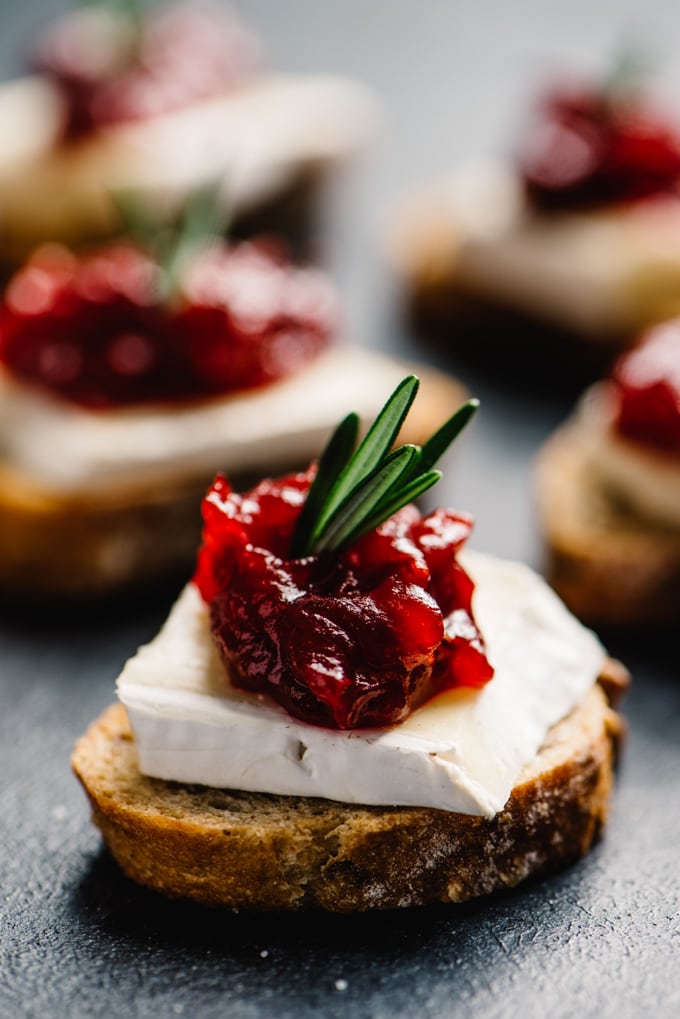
(263, 852)
(507, 341)
(77, 545)
(503, 336)
(98, 543)
(609, 565)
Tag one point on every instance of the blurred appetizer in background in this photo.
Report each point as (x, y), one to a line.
(608, 487)
(346, 710)
(555, 259)
(164, 100)
(131, 374)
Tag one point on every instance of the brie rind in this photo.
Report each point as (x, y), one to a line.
(462, 751)
(597, 272)
(69, 449)
(642, 478)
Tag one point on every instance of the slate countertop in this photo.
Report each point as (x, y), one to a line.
(78, 939)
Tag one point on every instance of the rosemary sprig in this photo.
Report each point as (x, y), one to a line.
(354, 492)
(134, 10)
(200, 221)
(628, 75)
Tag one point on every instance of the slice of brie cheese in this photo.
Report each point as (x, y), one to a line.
(66, 449)
(598, 272)
(462, 751)
(643, 478)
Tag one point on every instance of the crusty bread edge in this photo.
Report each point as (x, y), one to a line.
(258, 852)
(607, 564)
(506, 338)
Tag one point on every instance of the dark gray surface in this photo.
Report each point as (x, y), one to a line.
(77, 939)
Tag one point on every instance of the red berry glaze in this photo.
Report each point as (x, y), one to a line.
(587, 149)
(112, 68)
(94, 330)
(350, 639)
(647, 385)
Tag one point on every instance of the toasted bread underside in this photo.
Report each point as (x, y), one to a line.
(90, 543)
(503, 336)
(610, 566)
(263, 852)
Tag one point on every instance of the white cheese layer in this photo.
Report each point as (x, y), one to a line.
(462, 751)
(598, 272)
(256, 138)
(646, 480)
(69, 449)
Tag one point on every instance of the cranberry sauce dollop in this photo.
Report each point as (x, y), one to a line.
(94, 330)
(112, 67)
(646, 381)
(585, 148)
(347, 639)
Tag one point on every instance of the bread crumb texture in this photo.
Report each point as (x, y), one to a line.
(608, 564)
(255, 851)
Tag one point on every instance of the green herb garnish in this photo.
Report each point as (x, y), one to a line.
(199, 221)
(354, 492)
(628, 76)
(134, 10)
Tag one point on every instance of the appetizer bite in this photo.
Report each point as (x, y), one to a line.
(345, 710)
(559, 258)
(608, 490)
(164, 100)
(127, 381)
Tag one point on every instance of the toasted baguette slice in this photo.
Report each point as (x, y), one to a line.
(506, 341)
(262, 852)
(609, 565)
(522, 293)
(105, 538)
(486, 330)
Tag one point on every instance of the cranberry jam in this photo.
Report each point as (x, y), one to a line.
(647, 385)
(113, 67)
(349, 639)
(97, 331)
(586, 148)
